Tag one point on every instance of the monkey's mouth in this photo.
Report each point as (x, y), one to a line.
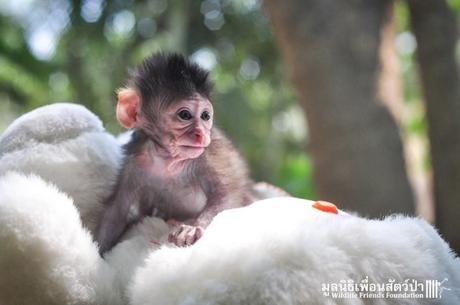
(193, 146)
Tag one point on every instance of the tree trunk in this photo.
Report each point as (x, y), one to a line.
(332, 50)
(434, 26)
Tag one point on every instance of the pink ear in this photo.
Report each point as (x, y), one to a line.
(128, 107)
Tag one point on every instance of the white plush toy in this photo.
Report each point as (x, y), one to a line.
(56, 165)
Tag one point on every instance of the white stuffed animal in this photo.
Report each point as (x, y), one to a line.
(57, 163)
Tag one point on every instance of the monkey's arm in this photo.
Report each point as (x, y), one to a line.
(117, 216)
(216, 205)
(188, 232)
(224, 179)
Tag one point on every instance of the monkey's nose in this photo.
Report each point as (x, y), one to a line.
(199, 137)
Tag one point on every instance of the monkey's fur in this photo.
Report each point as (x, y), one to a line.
(171, 170)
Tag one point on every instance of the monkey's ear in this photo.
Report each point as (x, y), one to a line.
(128, 107)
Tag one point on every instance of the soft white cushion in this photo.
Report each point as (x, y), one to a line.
(276, 251)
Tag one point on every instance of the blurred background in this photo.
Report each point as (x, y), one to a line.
(355, 102)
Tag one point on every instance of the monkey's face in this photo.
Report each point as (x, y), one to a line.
(189, 123)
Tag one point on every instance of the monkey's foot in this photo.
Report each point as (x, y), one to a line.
(185, 235)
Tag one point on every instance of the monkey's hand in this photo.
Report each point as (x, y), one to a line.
(185, 235)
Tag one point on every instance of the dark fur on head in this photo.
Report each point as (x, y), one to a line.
(163, 78)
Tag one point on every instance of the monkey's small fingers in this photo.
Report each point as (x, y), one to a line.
(185, 235)
(177, 237)
(181, 240)
(193, 235)
(174, 235)
(199, 233)
(189, 239)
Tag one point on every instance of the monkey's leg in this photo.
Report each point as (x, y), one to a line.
(264, 190)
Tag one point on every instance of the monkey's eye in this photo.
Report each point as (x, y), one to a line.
(205, 116)
(185, 115)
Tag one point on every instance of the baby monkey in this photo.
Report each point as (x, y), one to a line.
(177, 166)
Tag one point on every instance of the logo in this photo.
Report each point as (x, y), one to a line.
(391, 289)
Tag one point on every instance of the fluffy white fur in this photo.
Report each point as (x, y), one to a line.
(277, 251)
(280, 251)
(47, 257)
(64, 144)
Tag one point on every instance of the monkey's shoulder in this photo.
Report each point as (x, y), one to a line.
(135, 144)
(221, 151)
(219, 140)
(226, 162)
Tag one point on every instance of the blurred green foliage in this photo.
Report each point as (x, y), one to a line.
(81, 50)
